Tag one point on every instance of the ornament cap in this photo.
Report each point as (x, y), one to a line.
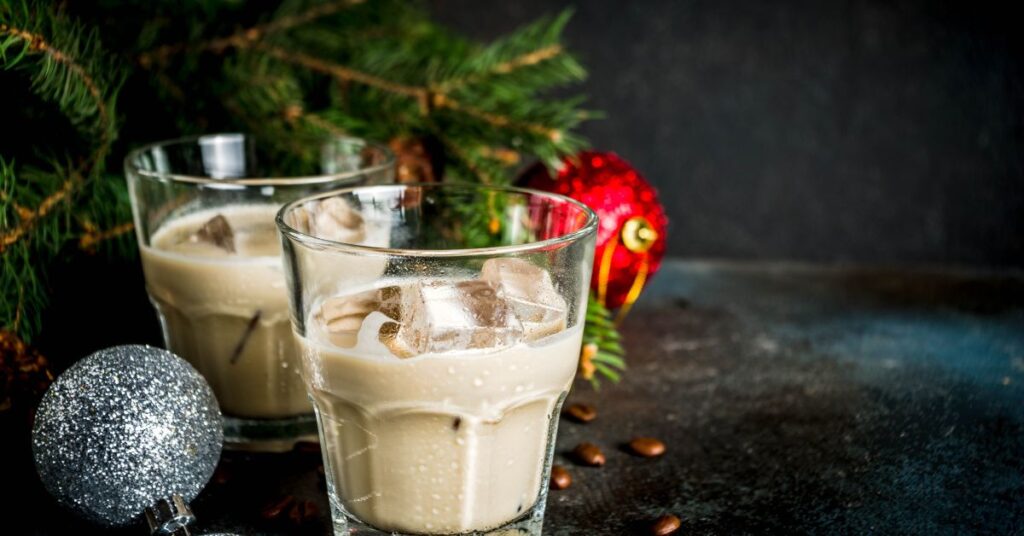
(638, 235)
(169, 516)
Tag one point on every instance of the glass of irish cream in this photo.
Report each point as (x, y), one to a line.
(437, 380)
(204, 210)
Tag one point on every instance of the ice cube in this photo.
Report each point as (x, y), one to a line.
(337, 218)
(331, 219)
(342, 316)
(528, 288)
(405, 345)
(444, 316)
(217, 232)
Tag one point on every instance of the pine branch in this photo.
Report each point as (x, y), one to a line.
(55, 83)
(379, 69)
(68, 69)
(440, 100)
(486, 169)
(423, 96)
(532, 54)
(527, 59)
(246, 37)
(603, 354)
(93, 235)
(28, 217)
(344, 73)
(104, 218)
(62, 78)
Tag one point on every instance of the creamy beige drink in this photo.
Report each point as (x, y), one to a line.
(204, 211)
(215, 277)
(437, 398)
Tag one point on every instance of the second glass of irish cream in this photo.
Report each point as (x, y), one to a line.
(204, 212)
(437, 364)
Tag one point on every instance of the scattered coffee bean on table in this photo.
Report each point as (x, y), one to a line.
(665, 525)
(275, 509)
(648, 447)
(581, 412)
(589, 454)
(560, 478)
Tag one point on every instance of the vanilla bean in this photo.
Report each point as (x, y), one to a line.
(245, 337)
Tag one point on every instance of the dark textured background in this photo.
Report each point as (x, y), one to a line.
(858, 130)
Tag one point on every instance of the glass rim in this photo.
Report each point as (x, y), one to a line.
(588, 227)
(131, 158)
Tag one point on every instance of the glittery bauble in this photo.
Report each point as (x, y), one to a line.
(631, 218)
(124, 427)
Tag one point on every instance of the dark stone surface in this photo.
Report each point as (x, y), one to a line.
(858, 130)
(793, 399)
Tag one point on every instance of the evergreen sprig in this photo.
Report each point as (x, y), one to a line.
(66, 68)
(609, 358)
(380, 69)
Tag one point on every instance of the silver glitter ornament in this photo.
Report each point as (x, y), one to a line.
(123, 428)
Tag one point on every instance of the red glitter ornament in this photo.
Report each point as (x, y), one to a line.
(631, 231)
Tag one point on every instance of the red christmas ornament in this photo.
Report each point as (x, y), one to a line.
(631, 231)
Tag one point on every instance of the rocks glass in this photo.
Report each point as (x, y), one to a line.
(204, 211)
(437, 362)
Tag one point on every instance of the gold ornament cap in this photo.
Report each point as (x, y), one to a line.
(638, 235)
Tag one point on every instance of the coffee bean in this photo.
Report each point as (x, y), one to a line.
(275, 509)
(665, 525)
(589, 454)
(560, 478)
(581, 412)
(648, 447)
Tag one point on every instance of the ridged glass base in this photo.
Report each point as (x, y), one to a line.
(268, 435)
(529, 524)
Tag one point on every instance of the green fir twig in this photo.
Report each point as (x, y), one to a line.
(67, 69)
(380, 69)
(608, 360)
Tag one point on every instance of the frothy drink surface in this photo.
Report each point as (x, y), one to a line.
(215, 276)
(436, 399)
